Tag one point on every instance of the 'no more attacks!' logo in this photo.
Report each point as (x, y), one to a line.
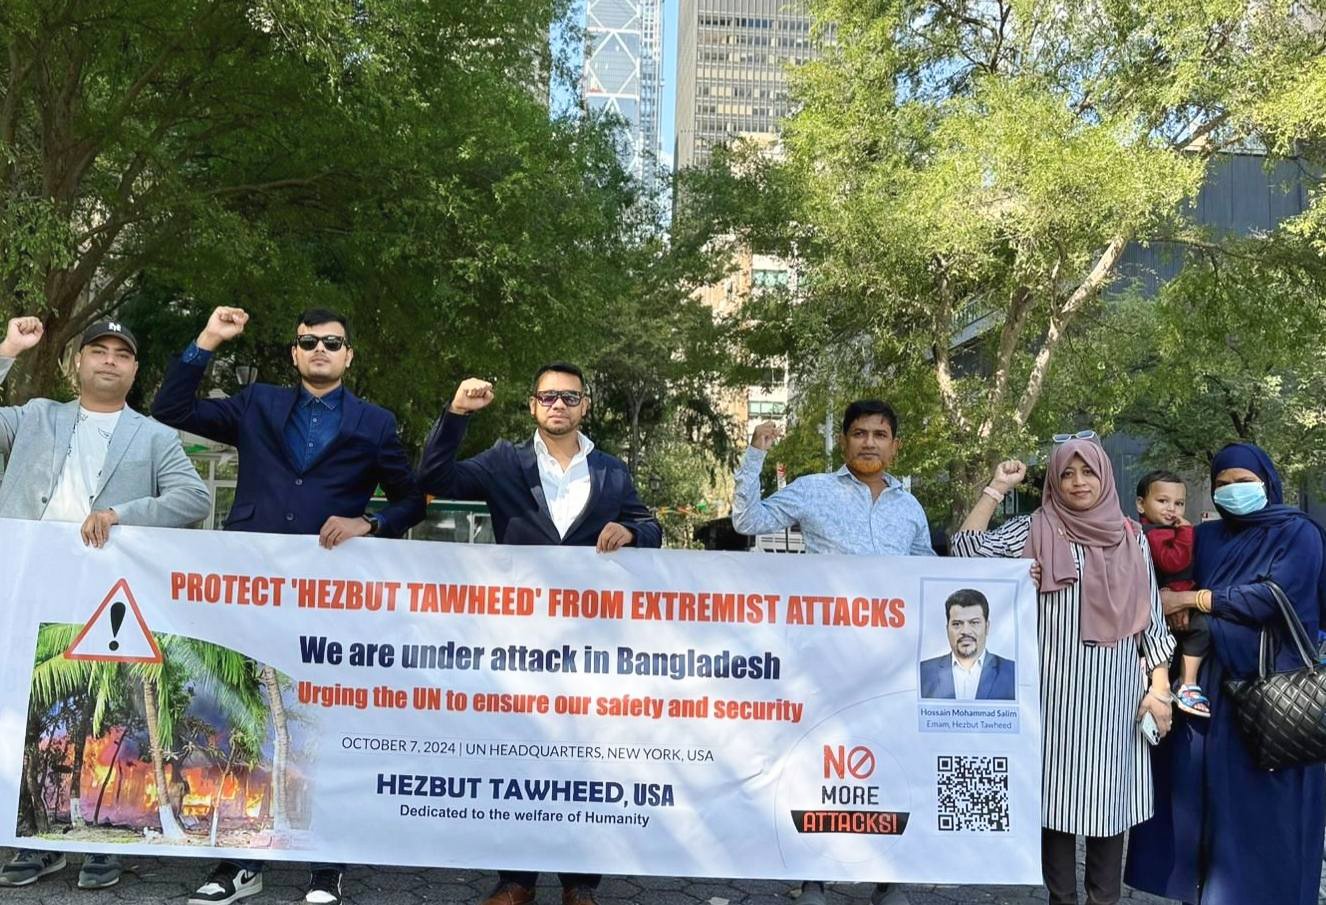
(845, 800)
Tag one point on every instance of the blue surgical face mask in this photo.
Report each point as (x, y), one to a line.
(1241, 499)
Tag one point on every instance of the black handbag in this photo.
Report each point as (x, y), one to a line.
(1282, 715)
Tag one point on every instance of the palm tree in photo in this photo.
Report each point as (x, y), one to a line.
(280, 747)
(160, 726)
(93, 687)
(158, 689)
(227, 675)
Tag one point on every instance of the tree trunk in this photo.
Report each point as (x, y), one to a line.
(280, 749)
(967, 478)
(80, 747)
(41, 822)
(40, 819)
(119, 784)
(115, 760)
(637, 403)
(216, 809)
(170, 827)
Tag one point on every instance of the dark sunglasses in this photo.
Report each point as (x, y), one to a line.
(308, 342)
(1080, 435)
(548, 398)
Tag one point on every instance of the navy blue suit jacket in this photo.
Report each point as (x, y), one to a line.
(506, 477)
(998, 678)
(273, 494)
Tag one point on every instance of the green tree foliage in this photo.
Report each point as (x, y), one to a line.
(397, 161)
(963, 177)
(1230, 350)
(659, 352)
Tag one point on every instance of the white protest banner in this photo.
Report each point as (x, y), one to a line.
(643, 712)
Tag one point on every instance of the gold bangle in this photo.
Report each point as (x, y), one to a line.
(1204, 601)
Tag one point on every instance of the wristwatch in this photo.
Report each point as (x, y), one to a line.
(374, 523)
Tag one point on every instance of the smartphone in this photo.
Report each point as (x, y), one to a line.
(1150, 731)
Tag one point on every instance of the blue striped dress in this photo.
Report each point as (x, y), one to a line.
(1096, 774)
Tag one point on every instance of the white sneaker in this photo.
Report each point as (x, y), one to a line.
(324, 887)
(228, 883)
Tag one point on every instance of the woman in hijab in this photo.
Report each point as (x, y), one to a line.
(1226, 832)
(1099, 619)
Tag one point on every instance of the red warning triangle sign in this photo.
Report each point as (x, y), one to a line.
(116, 633)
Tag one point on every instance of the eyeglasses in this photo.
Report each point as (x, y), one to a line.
(548, 398)
(308, 342)
(1080, 435)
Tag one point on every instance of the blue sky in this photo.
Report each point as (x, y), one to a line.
(667, 113)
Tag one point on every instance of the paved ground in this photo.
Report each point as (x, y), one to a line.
(166, 880)
(171, 879)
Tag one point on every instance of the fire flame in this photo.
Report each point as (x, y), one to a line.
(127, 789)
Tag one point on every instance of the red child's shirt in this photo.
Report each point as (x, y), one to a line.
(1171, 551)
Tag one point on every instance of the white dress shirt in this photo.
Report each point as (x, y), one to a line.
(567, 491)
(966, 681)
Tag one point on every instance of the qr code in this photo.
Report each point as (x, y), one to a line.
(973, 793)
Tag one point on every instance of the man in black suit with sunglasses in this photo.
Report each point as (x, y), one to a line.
(310, 457)
(556, 488)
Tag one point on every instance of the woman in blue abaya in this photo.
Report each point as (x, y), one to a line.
(1226, 832)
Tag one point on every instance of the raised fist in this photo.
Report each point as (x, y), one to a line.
(224, 325)
(22, 334)
(472, 395)
(1008, 474)
(766, 434)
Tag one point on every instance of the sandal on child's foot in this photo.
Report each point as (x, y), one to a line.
(1190, 700)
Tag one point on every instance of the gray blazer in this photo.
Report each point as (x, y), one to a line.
(147, 478)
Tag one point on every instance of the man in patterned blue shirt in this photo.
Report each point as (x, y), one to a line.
(859, 509)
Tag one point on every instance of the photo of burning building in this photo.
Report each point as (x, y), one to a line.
(206, 747)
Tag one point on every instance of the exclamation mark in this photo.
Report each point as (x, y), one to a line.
(117, 619)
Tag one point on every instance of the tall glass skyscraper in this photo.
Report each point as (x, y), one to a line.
(622, 72)
(732, 62)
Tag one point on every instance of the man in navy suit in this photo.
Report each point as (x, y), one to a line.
(968, 671)
(310, 457)
(555, 488)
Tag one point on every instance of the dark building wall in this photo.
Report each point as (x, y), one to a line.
(1241, 196)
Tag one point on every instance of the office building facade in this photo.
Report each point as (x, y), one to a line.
(622, 75)
(733, 58)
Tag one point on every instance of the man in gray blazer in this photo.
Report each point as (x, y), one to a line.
(97, 462)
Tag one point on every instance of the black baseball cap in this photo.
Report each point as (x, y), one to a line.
(109, 328)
